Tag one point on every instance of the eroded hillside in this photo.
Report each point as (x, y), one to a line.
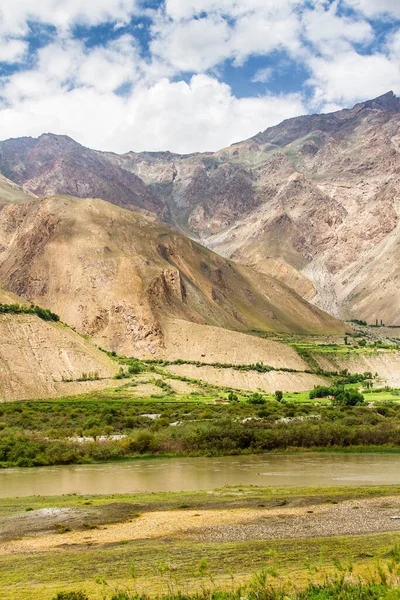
(35, 357)
(115, 275)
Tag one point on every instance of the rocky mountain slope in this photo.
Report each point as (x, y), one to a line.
(313, 201)
(116, 275)
(55, 164)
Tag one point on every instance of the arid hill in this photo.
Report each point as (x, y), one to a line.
(115, 275)
(11, 192)
(36, 356)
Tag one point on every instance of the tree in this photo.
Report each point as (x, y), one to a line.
(278, 395)
(349, 398)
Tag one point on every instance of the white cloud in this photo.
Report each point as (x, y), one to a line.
(183, 117)
(107, 68)
(227, 29)
(329, 32)
(15, 14)
(255, 34)
(67, 63)
(12, 50)
(195, 45)
(262, 75)
(351, 77)
(373, 8)
(393, 46)
(186, 9)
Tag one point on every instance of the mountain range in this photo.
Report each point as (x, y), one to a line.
(313, 201)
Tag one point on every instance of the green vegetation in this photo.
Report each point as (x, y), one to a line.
(49, 432)
(227, 497)
(19, 309)
(258, 367)
(90, 376)
(265, 587)
(340, 395)
(359, 322)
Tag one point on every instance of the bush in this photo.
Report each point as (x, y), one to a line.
(349, 398)
(134, 368)
(321, 391)
(19, 309)
(256, 398)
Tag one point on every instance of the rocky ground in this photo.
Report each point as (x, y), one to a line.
(57, 529)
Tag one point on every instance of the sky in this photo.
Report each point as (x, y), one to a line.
(187, 75)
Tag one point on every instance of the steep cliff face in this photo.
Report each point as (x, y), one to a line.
(116, 275)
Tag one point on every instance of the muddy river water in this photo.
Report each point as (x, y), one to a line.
(181, 474)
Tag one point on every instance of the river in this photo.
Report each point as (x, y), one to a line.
(184, 474)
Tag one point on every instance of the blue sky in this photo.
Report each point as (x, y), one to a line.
(188, 75)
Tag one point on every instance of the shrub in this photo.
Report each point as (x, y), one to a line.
(256, 398)
(18, 309)
(134, 368)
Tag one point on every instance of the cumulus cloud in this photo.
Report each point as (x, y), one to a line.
(195, 45)
(224, 30)
(183, 117)
(67, 63)
(329, 32)
(393, 46)
(16, 14)
(351, 77)
(12, 50)
(374, 8)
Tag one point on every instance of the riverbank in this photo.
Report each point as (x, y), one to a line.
(190, 540)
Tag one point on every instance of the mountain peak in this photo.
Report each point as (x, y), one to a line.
(60, 140)
(388, 101)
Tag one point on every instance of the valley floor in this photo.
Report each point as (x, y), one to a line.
(170, 543)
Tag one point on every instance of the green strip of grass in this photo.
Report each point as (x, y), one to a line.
(159, 563)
